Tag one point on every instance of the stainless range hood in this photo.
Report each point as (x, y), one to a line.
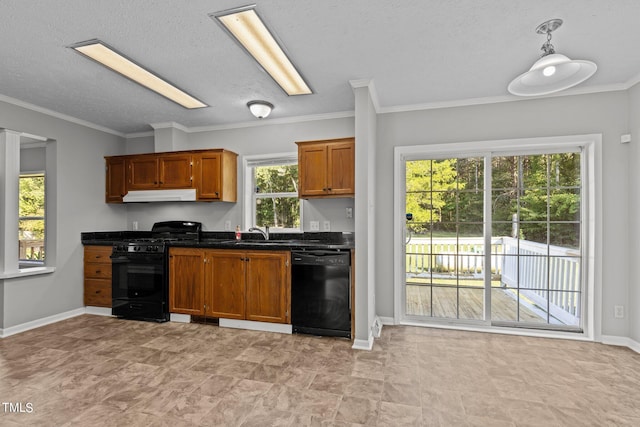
(180, 195)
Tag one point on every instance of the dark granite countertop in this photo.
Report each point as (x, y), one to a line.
(226, 240)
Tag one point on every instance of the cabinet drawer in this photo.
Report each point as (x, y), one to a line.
(97, 292)
(97, 271)
(97, 254)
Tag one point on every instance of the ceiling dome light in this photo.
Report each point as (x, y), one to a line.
(260, 109)
(553, 72)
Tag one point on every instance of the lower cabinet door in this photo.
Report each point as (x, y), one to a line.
(186, 284)
(225, 284)
(268, 286)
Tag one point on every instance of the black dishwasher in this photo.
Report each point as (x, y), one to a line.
(320, 292)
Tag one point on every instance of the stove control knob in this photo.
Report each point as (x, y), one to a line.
(136, 248)
(153, 249)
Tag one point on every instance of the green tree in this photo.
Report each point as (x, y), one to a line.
(31, 204)
(428, 186)
(276, 209)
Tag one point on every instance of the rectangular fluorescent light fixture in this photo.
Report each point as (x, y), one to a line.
(105, 55)
(250, 31)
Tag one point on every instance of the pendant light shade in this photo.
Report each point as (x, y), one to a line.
(260, 109)
(553, 72)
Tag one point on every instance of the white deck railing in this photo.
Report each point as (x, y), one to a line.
(547, 275)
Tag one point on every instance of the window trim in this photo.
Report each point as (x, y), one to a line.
(248, 163)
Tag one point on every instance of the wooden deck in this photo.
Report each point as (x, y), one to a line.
(445, 301)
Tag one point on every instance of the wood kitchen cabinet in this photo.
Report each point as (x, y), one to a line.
(216, 175)
(213, 173)
(268, 286)
(156, 171)
(326, 168)
(116, 179)
(231, 284)
(248, 285)
(186, 281)
(225, 283)
(97, 276)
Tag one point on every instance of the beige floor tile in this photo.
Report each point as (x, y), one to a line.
(96, 371)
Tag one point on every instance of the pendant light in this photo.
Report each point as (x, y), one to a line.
(553, 72)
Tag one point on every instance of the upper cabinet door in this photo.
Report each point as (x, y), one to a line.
(116, 179)
(341, 168)
(175, 171)
(312, 170)
(216, 176)
(209, 176)
(142, 172)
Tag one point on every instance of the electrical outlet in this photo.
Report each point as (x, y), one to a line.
(314, 225)
(618, 311)
(227, 225)
(349, 212)
(134, 225)
(326, 226)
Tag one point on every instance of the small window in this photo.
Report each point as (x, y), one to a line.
(274, 195)
(31, 224)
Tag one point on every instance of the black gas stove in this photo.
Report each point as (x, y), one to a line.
(140, 285)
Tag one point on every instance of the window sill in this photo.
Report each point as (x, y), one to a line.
(35, 271)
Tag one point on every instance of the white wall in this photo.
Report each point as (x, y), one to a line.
(604, 113)
(263, 139)
(633, 306)
(75, 171)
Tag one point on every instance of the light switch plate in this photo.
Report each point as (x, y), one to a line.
(326, 226)
(227, 225)
(349, 212)
(314, 225)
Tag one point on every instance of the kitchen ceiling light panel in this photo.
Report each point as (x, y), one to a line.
(249, 30)
(115, 61)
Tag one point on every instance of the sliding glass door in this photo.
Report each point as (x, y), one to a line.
(494, 239)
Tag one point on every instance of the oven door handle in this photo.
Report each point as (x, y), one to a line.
(120, 260)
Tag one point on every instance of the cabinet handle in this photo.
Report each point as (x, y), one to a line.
(98, 271)
(98, 291)
(329, 188)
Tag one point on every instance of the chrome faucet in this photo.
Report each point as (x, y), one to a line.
(264, 233)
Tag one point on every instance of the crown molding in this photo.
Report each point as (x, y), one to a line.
(280, 121)
(57, 115)
(633, 81)
(373, 93)
(167, 125)
(500, 99)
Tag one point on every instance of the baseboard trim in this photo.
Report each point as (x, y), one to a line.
(363, 344)
(98, 311)
(621, 342)
(180, 318)
(23, 327)
(256, 326)
(387, 320)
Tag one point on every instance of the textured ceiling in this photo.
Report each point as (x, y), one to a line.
(418, 52)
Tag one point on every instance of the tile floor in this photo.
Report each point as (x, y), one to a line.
(101, 371)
